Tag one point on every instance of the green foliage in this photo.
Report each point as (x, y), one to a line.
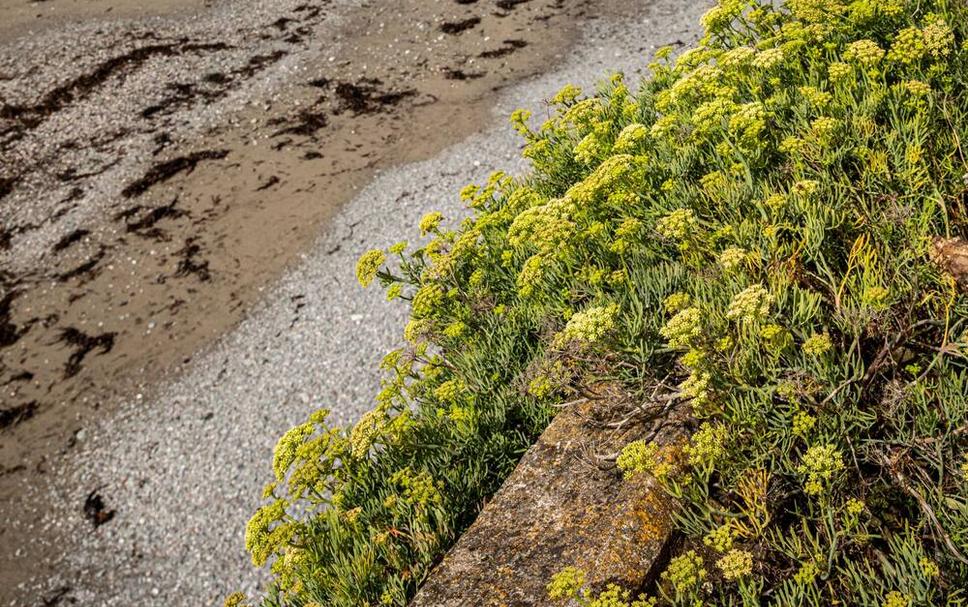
(747, 235)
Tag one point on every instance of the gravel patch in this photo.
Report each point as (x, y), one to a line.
(184, 471)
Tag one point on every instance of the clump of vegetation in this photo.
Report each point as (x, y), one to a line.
(749, 234)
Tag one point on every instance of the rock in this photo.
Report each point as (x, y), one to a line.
(952, 255)
(559, 508)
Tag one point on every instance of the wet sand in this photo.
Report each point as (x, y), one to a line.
(160, 169)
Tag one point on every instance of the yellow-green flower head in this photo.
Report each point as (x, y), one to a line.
(519, 120)
(546, 226)
(427, 300)
(964, 469)
(416, 329)
(813, 11)
(709, 116)
(683, 328)
(803, 423)
(602, 180)
(450, 391)
(582, 112)
(685, 573)
(455, 329)
(266, 533)
(588, 326)
(567, 95)
(819, 465)
(775, 201)
(629, 228)
(664, 126)
(748, 122)
(908, 46)
(720, 17)
(394, 291)
(676, 302)
(791, 145)
(805, 188)
(839, 71)
(234, 600)
(806, 574)
(917, 88)
(566, 584)
(896, 599)
(938, 37)
(589, 148)
(693, 359)
(631, 138)
(398, 248)
(768, 59)
(368, 266)
(733, 258)
(864, 52)
(706, 446)
(678, 224)
(815, 97)
(366, 431)
(854, 506)
(736, 564)
(696, 387)
(929, 568)
(531, 275)
(285, 452)
(430, 222)
(824, 128)
(419, 489)
(737, 58)
(715, 184)
(720, 539)
(752, 304)
(641, 457)
(817, 344)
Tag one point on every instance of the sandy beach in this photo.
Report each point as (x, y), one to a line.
(183, 194)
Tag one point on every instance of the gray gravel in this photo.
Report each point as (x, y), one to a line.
(185, 470)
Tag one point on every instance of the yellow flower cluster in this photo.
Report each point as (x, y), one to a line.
(368, 266)
(266, 533)
(366, 431)
(676, 302)
(566, 584)
(736, 564)
(864, 52)
(683, 328)
(567, 95)
(720, 539)
(803, 423)
(685, 573)
(419, 489)
(678, 224)
(588, 326)
(706, 445)
(640, 456)
(752, 304)
(896, 599)
(545, 226)
(733, 258)
(631, 138)
(450, 391)
(817, 344)
(819, 465)
(430, 222)
(426, 300)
